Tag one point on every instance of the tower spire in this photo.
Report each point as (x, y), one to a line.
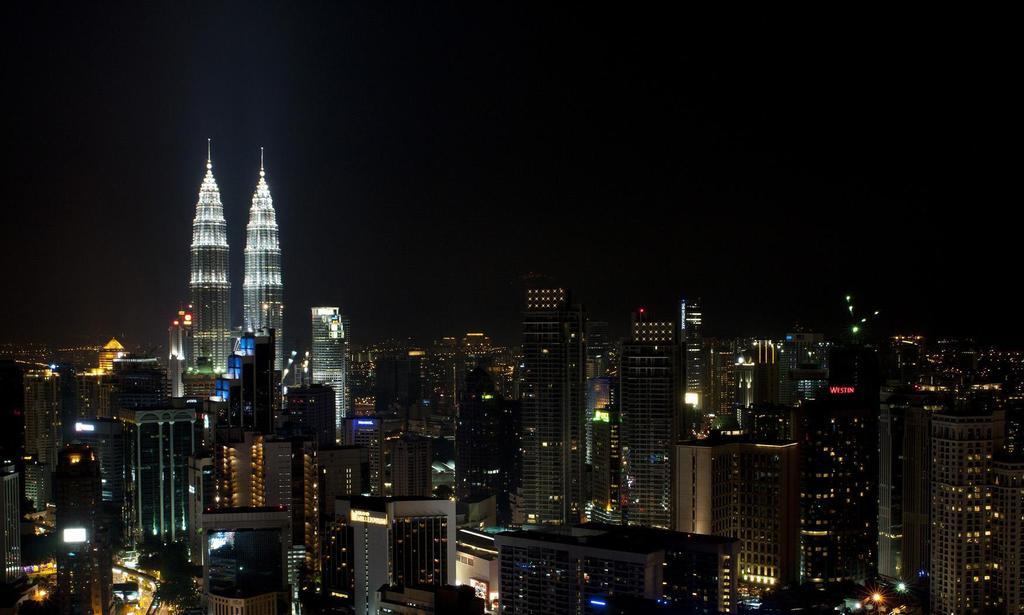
(262, 174)
(209, 157)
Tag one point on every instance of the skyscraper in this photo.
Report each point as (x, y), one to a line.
(411, 457)
(405, 541)
(648, 385)
(84, 576)
(904, 484)
(839, 445)
(553, 400)
(10, 523)
(263, 290)
(164, 440)
(368, 433)
(253, 398)
(973, 522)
(42, 415)
(209, 285)
(179, 351)
(486, 443)
(691, 324)
(312, 407)
(329, 359)
(749, 489)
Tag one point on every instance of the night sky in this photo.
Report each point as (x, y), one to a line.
(423, 158)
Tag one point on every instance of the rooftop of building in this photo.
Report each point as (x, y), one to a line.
(379, 504)
(244, 509)
(628, 539)
(717, 438)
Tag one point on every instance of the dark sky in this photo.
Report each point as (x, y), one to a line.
(424, 158)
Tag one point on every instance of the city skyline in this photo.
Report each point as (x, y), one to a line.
(412, 167)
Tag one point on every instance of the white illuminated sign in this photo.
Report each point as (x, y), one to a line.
(85, 427)
(365, 516)
(692, 399)
(74, 534)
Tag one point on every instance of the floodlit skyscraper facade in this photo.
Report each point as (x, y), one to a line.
(263, 291)
(329, 358)
(209, 286)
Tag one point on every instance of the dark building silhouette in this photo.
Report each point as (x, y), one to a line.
(84, 576)
(838, 435)
(486, 443)
(399, 380)
(253, 401)
(313, 408)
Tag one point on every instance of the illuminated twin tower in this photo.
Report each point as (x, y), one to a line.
(210, 284)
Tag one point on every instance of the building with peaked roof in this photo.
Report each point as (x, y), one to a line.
(209, 284)
(263, 290)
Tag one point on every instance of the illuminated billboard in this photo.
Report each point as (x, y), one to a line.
(74, 534)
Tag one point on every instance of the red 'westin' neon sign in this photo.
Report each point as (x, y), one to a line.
(842, 390)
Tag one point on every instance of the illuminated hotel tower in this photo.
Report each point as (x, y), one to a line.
(209, 287)
(263, 292)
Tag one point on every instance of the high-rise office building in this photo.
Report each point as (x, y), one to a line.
(599, 349)
(368, 433)
(209, 284)
(113, 445)
(84, 576)
(313, 408)
(42, 415)
(553, 403)
(691, 329)
(263, 288)
(606, 472)
(329, 359)
(486, 443)
(138, 383)
(602, 391)
(10, 524)
(376, 541)
(648, 402)
(747, 489)
(802, 366)
(164, 440)
(904, 485)
(179, 351)
(245, 563)
(765, 383)
(721, 388)
(253, 396)
(411, 459)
